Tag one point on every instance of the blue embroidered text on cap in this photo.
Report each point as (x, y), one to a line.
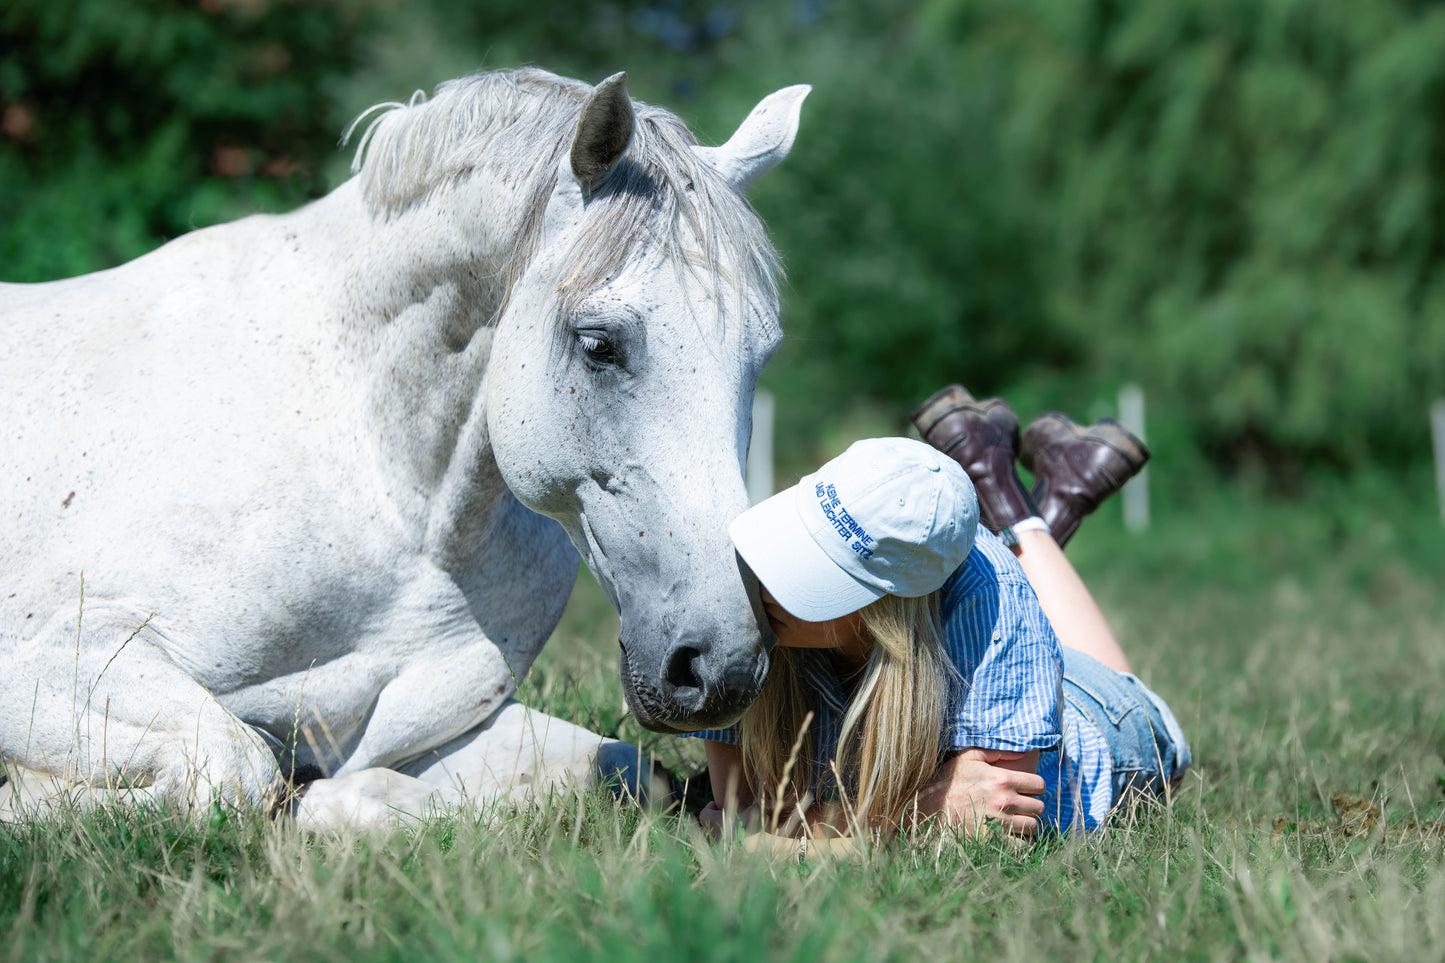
(843, 523)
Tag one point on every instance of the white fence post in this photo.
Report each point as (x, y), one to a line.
(1437, 435)
(1136, 492)
(760, 451)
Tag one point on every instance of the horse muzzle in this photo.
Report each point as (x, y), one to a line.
(690, 689)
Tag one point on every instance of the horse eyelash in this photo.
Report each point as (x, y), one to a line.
(604, 351)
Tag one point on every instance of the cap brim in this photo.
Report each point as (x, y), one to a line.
(777, 546)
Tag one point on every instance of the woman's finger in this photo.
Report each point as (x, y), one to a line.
(1020, 825)
(1025, 806)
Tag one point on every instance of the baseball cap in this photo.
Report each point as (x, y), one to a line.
(889, 516)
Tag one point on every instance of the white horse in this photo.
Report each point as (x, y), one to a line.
(308, 490)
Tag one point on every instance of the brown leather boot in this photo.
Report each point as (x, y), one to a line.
(1076, 468)
(983, 437)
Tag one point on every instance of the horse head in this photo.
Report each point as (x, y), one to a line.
(621, 380)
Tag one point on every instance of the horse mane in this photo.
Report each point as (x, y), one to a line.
(521, 122)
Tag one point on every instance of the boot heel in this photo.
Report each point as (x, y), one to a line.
(939, 406)
(1129, 445)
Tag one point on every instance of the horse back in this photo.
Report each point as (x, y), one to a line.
(149, 407)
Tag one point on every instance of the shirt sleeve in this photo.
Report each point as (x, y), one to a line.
(1009, 691)
(732, 735)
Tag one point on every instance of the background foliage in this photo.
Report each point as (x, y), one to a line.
(1238, 204)
(128, 122)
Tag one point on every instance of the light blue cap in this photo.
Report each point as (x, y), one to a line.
(889, 516)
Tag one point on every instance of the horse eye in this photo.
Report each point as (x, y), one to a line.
(597, 348)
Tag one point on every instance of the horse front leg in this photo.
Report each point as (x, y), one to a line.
(431, 701)
(98, 710)
(517, 755)
(520, 754)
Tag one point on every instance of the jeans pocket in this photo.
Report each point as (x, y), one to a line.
(1115, 705)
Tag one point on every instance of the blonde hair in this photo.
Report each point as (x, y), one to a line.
(889, 744)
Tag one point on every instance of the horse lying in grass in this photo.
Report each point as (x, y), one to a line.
(307, 492)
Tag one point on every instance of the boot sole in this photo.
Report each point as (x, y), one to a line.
(1106, 431)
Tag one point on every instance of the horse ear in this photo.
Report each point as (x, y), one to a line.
(762, 140)
(603, 131)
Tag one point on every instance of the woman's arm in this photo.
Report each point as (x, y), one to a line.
(725, 772)
(1065, 599)
(981, 786)
(1000, 640)
(804, 847)
(730, 792)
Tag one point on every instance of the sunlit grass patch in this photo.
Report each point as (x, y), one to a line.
(1310, 827)
(585, 877)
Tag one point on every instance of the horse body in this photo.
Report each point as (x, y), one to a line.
(286, 563)
(312, 466)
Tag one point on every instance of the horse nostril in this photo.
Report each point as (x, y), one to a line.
(680, 675)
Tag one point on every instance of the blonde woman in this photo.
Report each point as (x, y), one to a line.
(928, 667)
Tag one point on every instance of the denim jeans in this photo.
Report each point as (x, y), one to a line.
(1148, 748)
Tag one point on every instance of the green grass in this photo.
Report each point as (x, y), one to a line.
(1302, 648)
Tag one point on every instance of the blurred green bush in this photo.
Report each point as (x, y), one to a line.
(1239, 205)
(124, 123)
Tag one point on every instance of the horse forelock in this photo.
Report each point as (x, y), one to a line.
(521, 122)
(662, 195)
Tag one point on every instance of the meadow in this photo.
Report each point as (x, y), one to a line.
(1236, 205)
(1301, 646)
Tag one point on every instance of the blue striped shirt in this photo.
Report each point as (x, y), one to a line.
(1007, 695)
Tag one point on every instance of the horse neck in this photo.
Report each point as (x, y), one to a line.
(456, 238)
(422, 287)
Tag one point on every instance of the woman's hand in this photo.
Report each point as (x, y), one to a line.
(713, 819)
(803, 848)
(820, 842)
(981, 787)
